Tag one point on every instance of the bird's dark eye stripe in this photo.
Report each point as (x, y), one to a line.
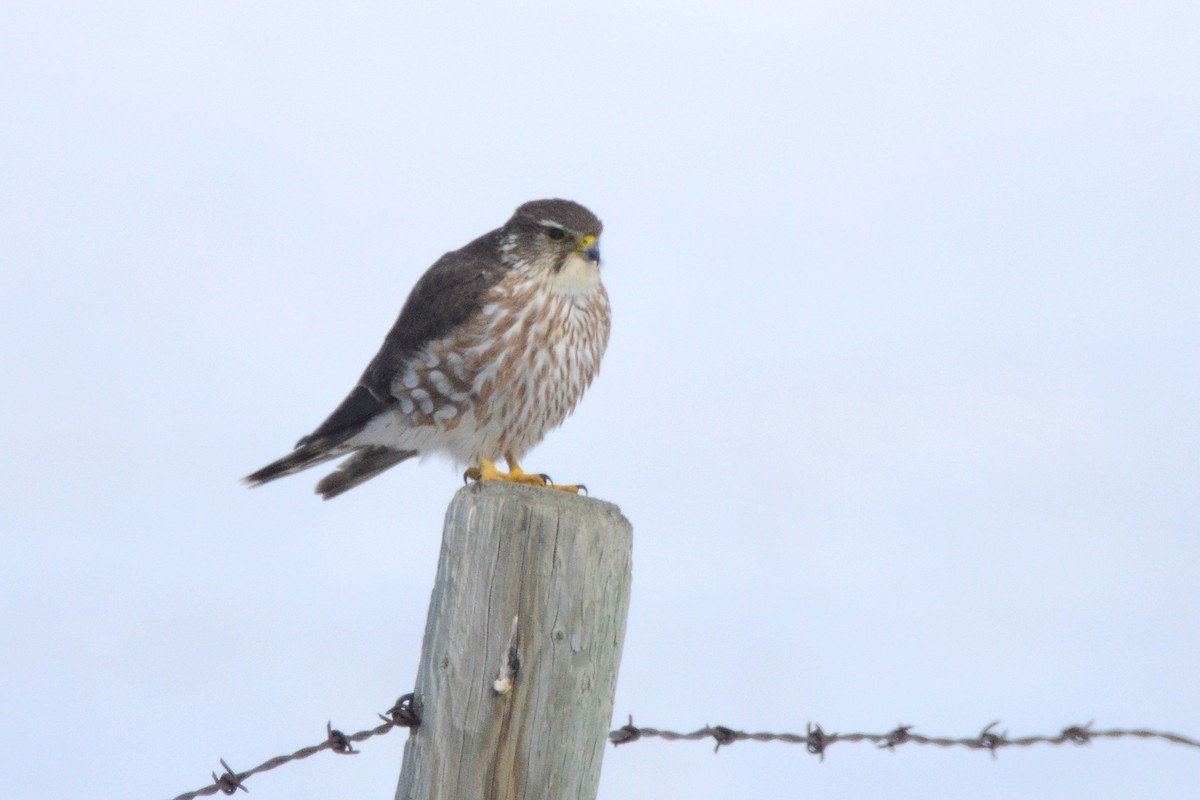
(555, 233)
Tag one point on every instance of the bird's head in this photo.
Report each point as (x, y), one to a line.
(546, 234)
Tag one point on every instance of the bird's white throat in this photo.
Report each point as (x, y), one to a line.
(577, 277)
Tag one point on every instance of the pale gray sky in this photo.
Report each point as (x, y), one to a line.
(901, 397)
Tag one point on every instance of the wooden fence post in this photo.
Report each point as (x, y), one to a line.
(522, 644)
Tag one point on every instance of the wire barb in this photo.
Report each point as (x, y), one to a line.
(406, 713)
(817, 741)
(723, 735)
(1079, 734)
(990, 741)
(896, 736)
(228, 781)
(625, 734)
(338, 741)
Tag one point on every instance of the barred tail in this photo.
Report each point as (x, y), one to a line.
(362, 466)
(303, 457)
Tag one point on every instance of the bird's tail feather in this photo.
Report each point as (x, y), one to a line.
(362, 466)
(303, 457)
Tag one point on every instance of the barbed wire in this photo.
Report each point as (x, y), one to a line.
(406, 713)
(816, 740)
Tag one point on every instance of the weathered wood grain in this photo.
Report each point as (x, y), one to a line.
(533, 727)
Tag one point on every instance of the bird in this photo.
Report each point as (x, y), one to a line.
(492, 350)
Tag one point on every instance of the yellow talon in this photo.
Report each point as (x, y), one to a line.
(487, 471)
(514, 469)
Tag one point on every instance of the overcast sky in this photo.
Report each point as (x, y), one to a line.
(901, 398)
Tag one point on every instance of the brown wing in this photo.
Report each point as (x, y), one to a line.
(446, 296)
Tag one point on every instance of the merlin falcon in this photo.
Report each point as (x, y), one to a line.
(492, 350)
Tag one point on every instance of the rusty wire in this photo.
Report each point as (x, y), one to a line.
(406, 713)
(816, 740)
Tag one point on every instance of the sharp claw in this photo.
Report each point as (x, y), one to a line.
(476, 474)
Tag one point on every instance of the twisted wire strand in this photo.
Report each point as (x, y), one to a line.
(406, 713)
(817, 740)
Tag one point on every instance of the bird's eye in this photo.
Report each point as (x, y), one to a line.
(556, 234)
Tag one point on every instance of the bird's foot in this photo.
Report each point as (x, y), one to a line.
(487, 471)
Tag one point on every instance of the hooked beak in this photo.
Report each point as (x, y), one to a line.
(589, 248)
